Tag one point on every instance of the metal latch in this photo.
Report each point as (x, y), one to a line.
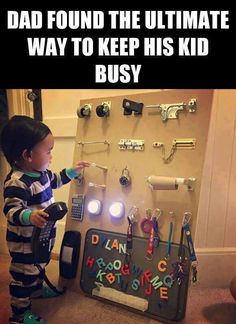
(177, 144)
(171, 111)
(184, 143)
(131, 144)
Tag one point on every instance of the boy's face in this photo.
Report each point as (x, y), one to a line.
(41, 154)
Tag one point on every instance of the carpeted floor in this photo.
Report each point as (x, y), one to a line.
(205, 306)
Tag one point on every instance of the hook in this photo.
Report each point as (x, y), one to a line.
(186, 218)
(132, 214)
(148, 213)
(157, 213)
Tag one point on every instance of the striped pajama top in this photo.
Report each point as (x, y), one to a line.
(24, 192)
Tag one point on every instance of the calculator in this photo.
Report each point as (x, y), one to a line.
(77, 207)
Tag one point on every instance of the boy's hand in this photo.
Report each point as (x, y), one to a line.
(80, 166)
(38, 218)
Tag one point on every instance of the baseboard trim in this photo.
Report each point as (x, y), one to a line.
(216, 266)
(214, 251)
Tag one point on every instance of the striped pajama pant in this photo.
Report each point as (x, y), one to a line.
(27, 283)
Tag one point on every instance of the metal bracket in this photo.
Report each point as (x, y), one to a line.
(131, 144)
(192, 105)
(107, 103)
(171, 111)
(190, 183)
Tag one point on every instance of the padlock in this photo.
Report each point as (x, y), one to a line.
(125, 179)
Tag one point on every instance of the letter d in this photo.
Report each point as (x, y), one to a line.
(12, 19)
(95, 239)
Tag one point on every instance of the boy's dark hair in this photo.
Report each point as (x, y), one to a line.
(19, 134)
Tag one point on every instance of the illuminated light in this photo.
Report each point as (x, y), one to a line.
(116, 209)
(94, 207)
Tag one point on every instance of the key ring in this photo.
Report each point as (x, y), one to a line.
(147, 222)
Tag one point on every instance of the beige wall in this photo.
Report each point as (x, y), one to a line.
(217, 209)
(216, 227)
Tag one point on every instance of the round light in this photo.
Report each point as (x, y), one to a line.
(116, 210)
(94, 207)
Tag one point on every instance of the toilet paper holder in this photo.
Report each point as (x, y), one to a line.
(170, 183)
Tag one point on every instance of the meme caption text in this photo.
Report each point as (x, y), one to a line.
(161, 25)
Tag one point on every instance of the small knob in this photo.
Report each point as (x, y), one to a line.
(103, 110)
(84, 111)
